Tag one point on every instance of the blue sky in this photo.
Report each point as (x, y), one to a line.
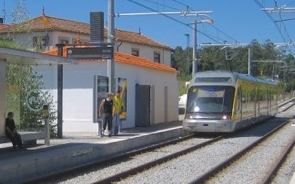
(235, 21)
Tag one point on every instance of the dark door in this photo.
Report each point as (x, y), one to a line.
(142, 106)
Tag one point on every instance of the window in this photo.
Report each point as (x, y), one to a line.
(135, 52)
(213, 79)
(74, 40)
(64, 41)
(210, 99)
(39, 41)
(157, 57)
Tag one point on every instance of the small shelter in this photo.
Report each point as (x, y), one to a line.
(8, 55)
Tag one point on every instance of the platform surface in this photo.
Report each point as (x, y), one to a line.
(76, 149)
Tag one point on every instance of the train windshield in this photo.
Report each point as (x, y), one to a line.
(210, 99)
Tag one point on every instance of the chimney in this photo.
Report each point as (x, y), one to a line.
(96, 27)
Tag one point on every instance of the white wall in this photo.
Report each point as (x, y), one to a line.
(157, 79)
(145, 51)
(78, 92)
(2, 96)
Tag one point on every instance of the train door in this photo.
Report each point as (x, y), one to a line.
(255, 101)
(238, 106)
(258, 102)
(267, 102)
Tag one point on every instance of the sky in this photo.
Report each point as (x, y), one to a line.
(234, 21)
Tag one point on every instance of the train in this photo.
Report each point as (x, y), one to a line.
(224, 101)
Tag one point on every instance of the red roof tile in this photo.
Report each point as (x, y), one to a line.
(124, 58)
(2, 26)
(133, 37)
(138, 61)
(47, 23)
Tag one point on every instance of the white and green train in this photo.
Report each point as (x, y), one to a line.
(223, 101)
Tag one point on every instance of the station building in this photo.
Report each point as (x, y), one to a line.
(142, 72)
(150, 91)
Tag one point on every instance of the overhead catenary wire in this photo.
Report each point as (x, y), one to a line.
(164, 5)
(278, 10)
(189, 8)
(285, 28)
(174, 19)
(272, 19)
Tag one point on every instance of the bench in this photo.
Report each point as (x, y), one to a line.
(28, 138)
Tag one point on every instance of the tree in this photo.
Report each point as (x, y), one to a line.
(23, 82)
(180, 61)
(214, 58)
(24, 85)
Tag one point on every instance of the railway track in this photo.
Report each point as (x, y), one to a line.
(206, 168)
(247, 151)
(141, 167)
(107, 161)
(145, 165)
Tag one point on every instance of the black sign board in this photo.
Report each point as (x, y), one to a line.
(90, 53)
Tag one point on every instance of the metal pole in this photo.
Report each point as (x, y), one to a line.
(187, 53)
(111, 36)
(284, 88)
(46, 120)
(249, 61)
(59, 92)
(195, 63)
(47, 132)
(273, 71)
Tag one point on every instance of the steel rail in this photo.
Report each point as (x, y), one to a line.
(127, 155)
(133, 171)
(205, 176)
(121, 156)
(270, 174)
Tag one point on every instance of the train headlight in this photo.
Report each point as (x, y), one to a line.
(224, 117)
(197, 109)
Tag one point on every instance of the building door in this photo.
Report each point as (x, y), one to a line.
(142, 105)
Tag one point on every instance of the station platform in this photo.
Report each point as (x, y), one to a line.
(74, 149)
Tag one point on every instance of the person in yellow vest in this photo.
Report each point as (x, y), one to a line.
(119, 108)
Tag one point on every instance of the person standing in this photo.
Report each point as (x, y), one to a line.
(11, 132)
(119, 108)
(106, 111)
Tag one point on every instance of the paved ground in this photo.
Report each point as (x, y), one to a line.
(77, 148)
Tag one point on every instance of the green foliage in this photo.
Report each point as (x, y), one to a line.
(23, 81)
(182, 86)
(181, 61)
(214, 58)
(23, 85)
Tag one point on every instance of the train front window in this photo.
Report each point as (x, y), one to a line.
(210, 99)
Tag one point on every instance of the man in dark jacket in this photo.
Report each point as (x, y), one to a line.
(11, 132)
(106, 111)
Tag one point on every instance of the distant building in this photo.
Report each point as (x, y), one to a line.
(44, 32)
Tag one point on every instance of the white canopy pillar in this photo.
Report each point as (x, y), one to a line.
(2, 96)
